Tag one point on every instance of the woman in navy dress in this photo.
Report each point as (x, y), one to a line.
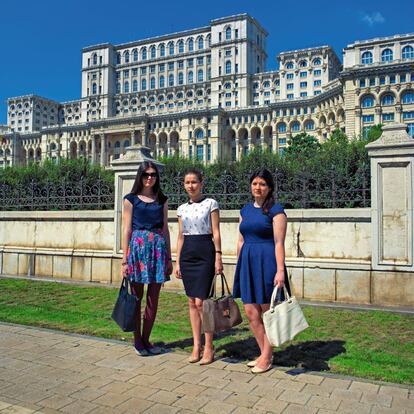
(146, 249)
(261, 260)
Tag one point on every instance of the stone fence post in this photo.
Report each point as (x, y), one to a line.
(392, 192)
(125, 169)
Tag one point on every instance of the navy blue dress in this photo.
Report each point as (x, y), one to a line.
(256, 266)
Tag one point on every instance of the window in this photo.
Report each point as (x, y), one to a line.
(408, 115)
(266, 84)
(403, 78)
(366, 58)
(162, 50)
(303, 94)
(408, 52)
(228, 33)
(290, 95)
(304, 84)
(408, 98)
(200, 152)
(152, 83)
(410, 129)
(228, 103)
(161, 68)
(118, 58)
(317, 62)
(190, 63)
(126, 87)
(200, 60)
(143, 84)
(296, 126)
(171, 48)
(303, 63)
(200, 43)
(289, 65)
(95, 59)
(180, 64)
(190, 45)
(309, 125)
(190, 77)
(289, 86)
(386, 55)
(366, 119)
(94, 89)
(118, 88)
(228, 67)
(387, 117)
(200, 75)
(171, 66)
(372, 82)
(144, 53)
(387, 99)
(289, 76)
(303, 74)
(317, 72)
(135, 86)
(180, 46)
(317, 82)
(126, 73)
(392, 79)
(180, 78)
(367, 101)
(143, 71)
(135, 55)
(382, 80)
(281, 127)
(134, 72)
(171, 80)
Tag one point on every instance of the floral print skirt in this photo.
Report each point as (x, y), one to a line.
(147, 257)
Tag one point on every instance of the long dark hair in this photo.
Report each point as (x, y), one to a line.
(138, 186)
(266, 175)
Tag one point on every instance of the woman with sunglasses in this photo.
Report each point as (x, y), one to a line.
(146, 249)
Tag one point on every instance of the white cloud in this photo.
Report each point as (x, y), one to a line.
(372, 18)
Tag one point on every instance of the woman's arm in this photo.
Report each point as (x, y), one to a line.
(166, 232)
(215, 226)
(279, 234)
(240, 241)
(180, 242)
(126, 235)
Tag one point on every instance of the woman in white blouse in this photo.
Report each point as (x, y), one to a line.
(198, 257)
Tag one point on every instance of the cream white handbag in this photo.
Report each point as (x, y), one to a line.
(283, 321)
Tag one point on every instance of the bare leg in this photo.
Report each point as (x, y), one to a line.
(254, 315)
(153, 294)
(195, 320)
(208, 353)
(138, 290)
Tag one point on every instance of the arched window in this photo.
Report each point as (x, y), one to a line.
(171, 48)
(317, 62)
(162, 81)
(95, 59)
(281, 127)
(126, 87)
(170, 97)
(303, 63)
(296, 126)
(228, 66)
(367, 101)
(180, 78)
(162, 50)
(309, 125)
(199, 134)
(200, 42)
(118, 88)
(190, 45)
(118, 58)
(227, 85)
(408, 97)
(171, 80)
(408, 52)
(134, 85)
(135, 55)
(388, 99)
(366, 58)
(289, 65)
(200, 75)
(117, 144)
(152, 83)
(152, 52)
(208, 38)
(143, 85)
(190, 77)
(266, 84)
(228, 33)
(386, 55)
(94, 88)
(180, 46)
(161, 98)
(144, 53)
(126, 143)
(126, 57)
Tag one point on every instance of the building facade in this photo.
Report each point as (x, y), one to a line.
(204, 93)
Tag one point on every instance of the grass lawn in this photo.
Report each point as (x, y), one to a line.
(370, 344)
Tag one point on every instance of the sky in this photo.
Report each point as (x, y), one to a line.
(41, 40)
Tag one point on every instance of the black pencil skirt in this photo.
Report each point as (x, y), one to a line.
(197, 261)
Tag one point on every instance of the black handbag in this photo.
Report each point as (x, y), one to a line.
(220, 313)
(125, 309)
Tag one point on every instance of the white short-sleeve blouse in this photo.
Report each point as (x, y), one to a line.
(196, 217)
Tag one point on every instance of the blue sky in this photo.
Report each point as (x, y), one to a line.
(41, 41)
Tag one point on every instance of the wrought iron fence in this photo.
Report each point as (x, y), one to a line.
(66, 195)
(303, 190)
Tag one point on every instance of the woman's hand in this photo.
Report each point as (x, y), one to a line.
(279, 279)
(218, 265)
(124, 270)
(169, 268)
(177, 271)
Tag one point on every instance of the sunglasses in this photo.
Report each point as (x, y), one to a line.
(148, 175)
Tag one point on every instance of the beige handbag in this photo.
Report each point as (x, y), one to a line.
(283, 321)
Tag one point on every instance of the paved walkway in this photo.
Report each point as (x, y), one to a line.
(42, 371)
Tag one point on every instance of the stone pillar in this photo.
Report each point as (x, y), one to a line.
(93, 150)
(377, 116)
(103, 150)
(237, 149)
(205, 150)
(398, 115)
(157, 146)
(392, 195)
(358, 130)
(249, 140)
(169, 149)
(132, 137)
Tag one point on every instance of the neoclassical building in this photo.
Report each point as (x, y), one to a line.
(204, 93)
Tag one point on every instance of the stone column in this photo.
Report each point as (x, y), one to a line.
(133, 137)
(169, 150)
(93, 150)
(157, 146)
(398, 115)
(249, 140)
(377, 116)
(205, 148)
(237, 149)
(358, 129)
(103, 150)
(392, 199)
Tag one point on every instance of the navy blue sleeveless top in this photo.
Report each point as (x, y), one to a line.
(145, 216)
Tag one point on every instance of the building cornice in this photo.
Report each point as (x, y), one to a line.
(368, 70)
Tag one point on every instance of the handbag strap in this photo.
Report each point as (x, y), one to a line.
(274, 294)
(224, 284)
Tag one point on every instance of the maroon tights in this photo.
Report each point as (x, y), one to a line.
(153, 293)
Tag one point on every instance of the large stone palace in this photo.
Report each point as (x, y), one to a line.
(204, 93)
